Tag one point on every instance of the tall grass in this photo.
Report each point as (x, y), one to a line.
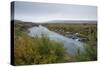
(89, 54)
(37, 50)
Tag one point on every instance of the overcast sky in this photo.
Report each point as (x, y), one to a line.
(39, 12)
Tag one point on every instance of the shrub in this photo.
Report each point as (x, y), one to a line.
(38, 50)
(89, 54)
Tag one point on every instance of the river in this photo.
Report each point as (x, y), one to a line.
(71, 44)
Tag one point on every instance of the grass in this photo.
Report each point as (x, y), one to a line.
(88, 31)
(35, 50)
(90, 54)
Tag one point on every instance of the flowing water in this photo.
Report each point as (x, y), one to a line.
(71, 44)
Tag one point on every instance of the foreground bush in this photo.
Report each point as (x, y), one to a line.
(38, 51)
(90, 53)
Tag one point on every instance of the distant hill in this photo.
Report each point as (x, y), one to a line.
(31, 24)
(72, 21)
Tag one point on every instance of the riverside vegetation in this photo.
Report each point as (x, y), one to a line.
(36, 50)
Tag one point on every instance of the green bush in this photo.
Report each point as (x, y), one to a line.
(89, 54)
(38, 50)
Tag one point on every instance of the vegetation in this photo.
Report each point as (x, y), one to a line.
(36, 50)
(90, 54)
(88, 31)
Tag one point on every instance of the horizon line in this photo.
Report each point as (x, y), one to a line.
(52, 20)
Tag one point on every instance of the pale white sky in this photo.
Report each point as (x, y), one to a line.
(39, 12)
